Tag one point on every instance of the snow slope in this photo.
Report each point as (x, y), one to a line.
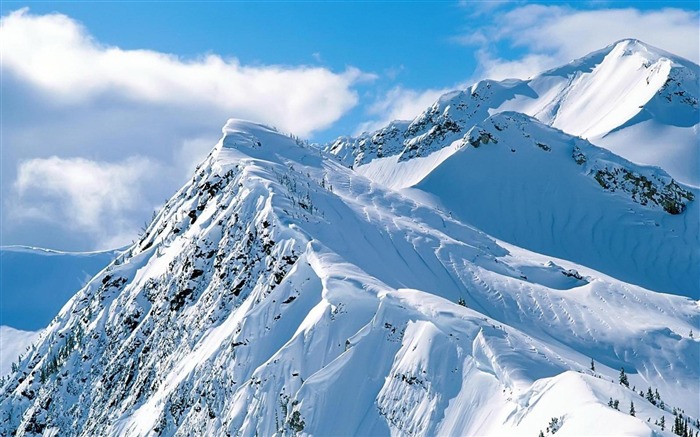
(638, 101)
(560, 195)
(281, 293)
(539, 197)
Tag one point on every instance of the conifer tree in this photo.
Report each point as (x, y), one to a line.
(623, 378)
(650, 396)
(632, 410)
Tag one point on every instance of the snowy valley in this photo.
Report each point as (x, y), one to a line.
(510, 262)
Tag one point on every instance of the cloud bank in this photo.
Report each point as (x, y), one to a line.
(58, 56)
(74, 109)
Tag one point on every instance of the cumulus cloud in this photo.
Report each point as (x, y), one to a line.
(89, 197)
(65, 94)
(546, 36)
(58, 55)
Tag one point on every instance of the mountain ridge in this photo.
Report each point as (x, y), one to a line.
(648, 91)
(280, 292)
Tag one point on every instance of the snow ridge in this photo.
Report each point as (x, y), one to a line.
(280, 292)
(251, 307)
(627, 97)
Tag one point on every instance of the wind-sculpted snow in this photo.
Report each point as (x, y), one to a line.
(638, 101)
(281, 293)
(560, 195)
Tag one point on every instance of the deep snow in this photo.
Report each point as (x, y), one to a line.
(279, 292)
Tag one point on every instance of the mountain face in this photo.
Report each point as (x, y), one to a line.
(636, 100)
(30, 300)
(280, 292)
(531, 200)
(13, 342)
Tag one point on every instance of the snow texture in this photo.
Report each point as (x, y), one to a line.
(280, 292)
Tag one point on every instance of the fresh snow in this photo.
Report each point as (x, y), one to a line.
(281, 292)
(279, 288)
(636, 100)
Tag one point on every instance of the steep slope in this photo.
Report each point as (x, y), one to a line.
(636, 100)
(34, 285)
(280, 293)
(536, 187)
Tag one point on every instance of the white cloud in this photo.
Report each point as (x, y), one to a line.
(93, 198)
(65, 94)
(496, 68)
(547, 36)
(56, 54)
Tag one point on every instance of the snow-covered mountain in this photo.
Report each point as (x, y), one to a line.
(608, 96)
(281, 292)
(13, 343)
(634, 99)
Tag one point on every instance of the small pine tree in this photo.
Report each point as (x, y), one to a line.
(592, 365)
(541, 434)
(662, 422)
(633, 412)
(677, 427)
(610, 403)
(616, 405)
(650, 396)
(553, 425)
(623, 378)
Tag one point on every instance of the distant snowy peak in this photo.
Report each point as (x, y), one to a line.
(636, 100)
(539, 188)
(600, 95)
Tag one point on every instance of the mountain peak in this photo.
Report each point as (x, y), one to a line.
(238, 132)
(633, 46)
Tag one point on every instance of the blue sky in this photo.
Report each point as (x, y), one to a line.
(107, 106)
